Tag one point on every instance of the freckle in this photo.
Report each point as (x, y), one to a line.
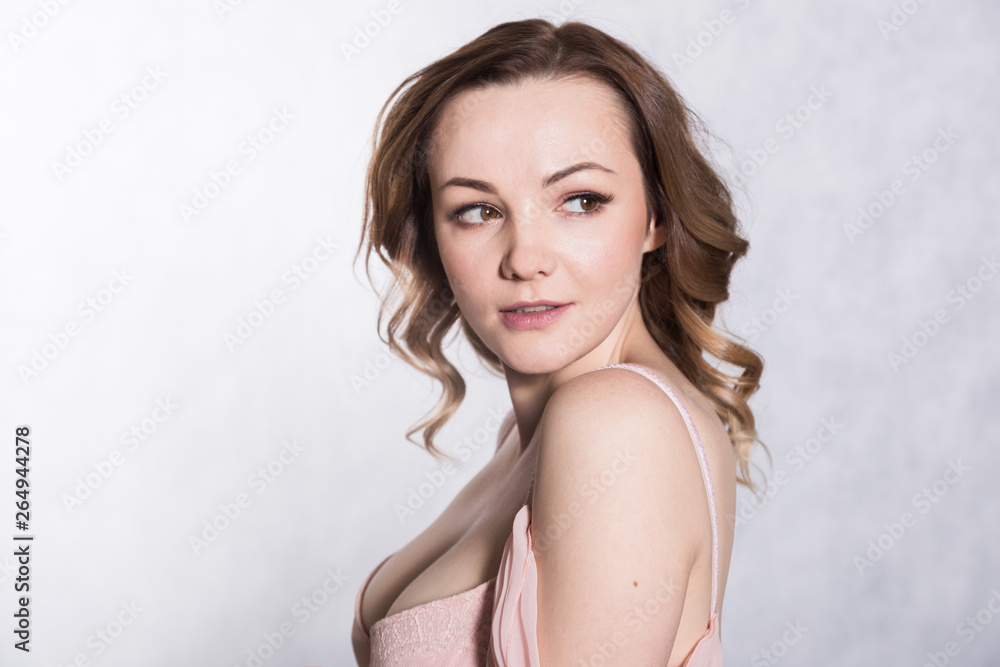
(635, 584)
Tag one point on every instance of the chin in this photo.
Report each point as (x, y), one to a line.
(542, 359)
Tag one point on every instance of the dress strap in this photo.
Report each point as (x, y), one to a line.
(706, 476)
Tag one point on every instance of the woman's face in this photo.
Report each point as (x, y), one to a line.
(519, 178)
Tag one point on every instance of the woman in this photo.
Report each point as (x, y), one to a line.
(541, 185)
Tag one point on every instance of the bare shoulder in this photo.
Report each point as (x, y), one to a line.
(611, 407)
(618, 505)
(614, 423)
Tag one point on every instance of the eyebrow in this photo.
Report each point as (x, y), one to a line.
(557, 176)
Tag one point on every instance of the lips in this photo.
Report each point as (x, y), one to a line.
(521, 321)
(531, 304)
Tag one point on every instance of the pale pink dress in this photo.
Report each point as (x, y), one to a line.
(493, 624)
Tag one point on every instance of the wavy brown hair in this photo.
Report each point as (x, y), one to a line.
(681, 282)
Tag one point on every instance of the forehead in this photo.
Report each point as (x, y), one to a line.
(538, 125)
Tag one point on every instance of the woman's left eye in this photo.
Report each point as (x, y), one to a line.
(588, 202)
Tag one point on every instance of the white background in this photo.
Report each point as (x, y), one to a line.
(185, 284)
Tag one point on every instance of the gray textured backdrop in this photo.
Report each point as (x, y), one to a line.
(185, 334)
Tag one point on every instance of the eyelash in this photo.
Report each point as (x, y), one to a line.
(602, 201)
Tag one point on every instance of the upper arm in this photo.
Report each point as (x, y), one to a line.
(618, 518)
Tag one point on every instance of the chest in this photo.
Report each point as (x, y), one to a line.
(463, 547)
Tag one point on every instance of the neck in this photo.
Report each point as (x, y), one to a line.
(530, 391)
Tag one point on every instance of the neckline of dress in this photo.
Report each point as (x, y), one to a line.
(404, 612)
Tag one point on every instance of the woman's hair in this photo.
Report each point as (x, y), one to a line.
(681, 282)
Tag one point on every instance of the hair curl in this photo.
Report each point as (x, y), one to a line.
(681, 282)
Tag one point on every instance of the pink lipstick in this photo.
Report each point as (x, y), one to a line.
(536, 317)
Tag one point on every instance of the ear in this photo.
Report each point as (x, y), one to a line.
(656, 235)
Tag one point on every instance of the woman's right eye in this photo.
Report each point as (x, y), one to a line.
(486, 213)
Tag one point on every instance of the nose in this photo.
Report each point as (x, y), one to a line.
(530, 250)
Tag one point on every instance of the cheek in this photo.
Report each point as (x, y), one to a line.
(624, 251)
(460, 265)
(607, 256)
(447, 251)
